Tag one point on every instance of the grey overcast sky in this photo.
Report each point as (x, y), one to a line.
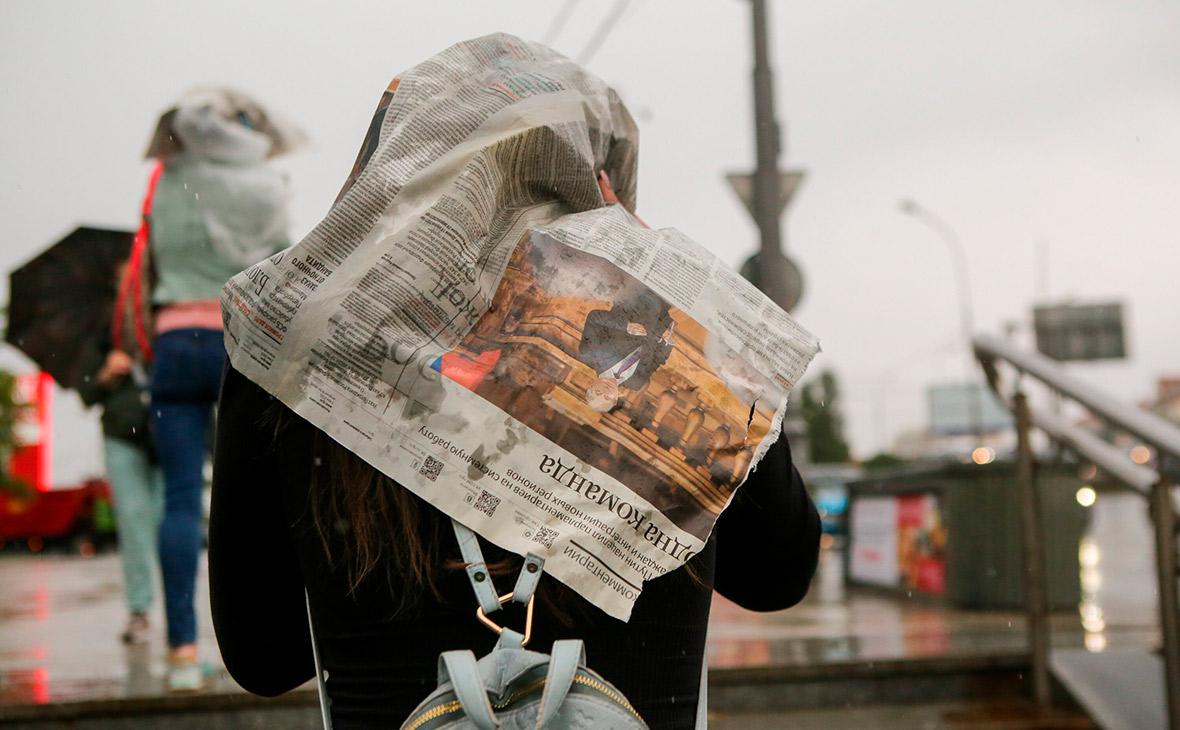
(1045, 126)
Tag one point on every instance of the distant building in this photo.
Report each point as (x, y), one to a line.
(921, 444)
(1167, 398)
(954, 421)
(965, 408)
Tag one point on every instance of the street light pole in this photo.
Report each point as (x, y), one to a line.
(963, 284)
(767, 193)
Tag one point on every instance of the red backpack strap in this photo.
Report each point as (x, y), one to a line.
(131, 286)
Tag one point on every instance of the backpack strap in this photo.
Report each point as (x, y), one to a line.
(477, 569)
(564, 660)
(530, 576)
(131, 288)
(703, 695)
(461, 669)
(481, 580)
(509, 639)
(321, 687)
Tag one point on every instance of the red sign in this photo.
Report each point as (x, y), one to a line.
(32, 460)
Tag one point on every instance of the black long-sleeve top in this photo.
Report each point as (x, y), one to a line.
(382, 662)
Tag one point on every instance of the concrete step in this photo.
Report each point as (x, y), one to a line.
(993, 677)
(750, 693)
(1122, 689)
(298, 710)
(924, 716)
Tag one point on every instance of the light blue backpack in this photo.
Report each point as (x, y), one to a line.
(512, 688)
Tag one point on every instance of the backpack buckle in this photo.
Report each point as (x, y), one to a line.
(528, 617)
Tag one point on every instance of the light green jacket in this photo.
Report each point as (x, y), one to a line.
(210, 221)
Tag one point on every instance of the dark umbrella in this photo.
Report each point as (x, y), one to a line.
(60, 302)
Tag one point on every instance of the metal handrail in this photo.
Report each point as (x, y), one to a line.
(1157, 487)
(1144, 425)
(1092, 447)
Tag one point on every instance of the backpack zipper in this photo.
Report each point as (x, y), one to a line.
(448, 707)
(435, 712)
(454, 706)
(530, 687)
(603, 689)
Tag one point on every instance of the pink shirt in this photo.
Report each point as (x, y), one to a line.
(198, 314)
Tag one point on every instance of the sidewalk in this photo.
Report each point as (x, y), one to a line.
(834, 625)
(61, 615)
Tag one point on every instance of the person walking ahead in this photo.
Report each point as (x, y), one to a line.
(133, 474)
(218, 208)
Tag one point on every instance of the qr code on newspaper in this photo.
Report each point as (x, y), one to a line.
(431, 468)
(545, 536)
(487, 503)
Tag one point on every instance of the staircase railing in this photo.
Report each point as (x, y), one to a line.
(1156, 485)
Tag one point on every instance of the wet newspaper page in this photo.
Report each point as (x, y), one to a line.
(471, 321)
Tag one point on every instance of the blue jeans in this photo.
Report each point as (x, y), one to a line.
(186, 376)
(139, 497)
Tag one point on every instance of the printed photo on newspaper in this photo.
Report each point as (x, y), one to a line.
(602, 366)
(472, 321)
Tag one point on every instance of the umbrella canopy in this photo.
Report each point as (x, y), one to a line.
(60, 302)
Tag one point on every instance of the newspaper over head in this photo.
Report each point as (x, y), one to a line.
(470, 320)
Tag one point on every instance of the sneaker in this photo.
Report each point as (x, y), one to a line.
(137, 631)
(185, 673)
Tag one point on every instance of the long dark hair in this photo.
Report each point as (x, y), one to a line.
(372, 528)
(367, 521)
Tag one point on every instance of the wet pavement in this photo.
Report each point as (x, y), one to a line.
(60, 617)
(59, 626)
(931, 716)
(835, 625)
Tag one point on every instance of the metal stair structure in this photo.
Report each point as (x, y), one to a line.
(1119, 688)
(1124, 688)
